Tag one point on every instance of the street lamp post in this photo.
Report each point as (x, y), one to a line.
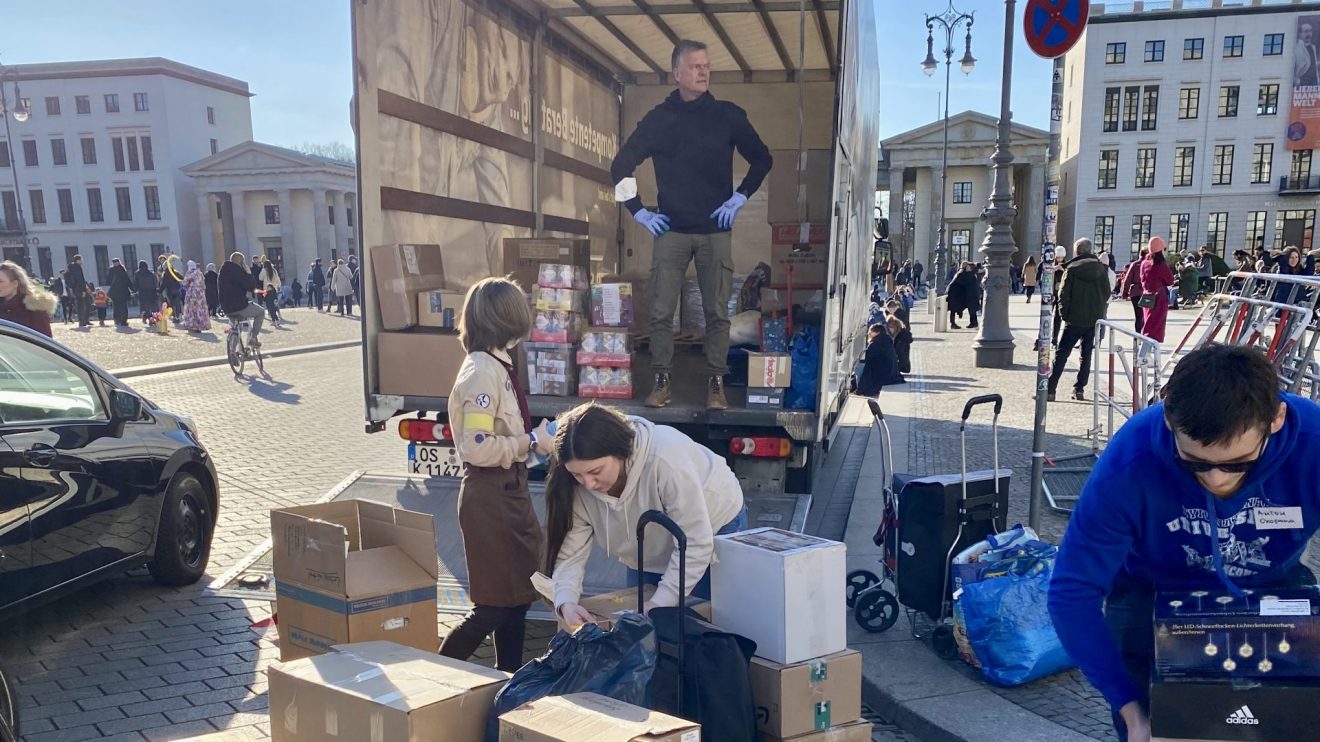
(949, 21)
(994, 343)
(21, 111)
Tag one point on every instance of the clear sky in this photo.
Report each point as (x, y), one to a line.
(294, 55)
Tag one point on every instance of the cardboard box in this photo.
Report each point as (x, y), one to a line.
(760, 398)
(769, 370)
(810, 266)
(606, 606)
(857, 731)
(551, 369)
(562, 300)
(400, 273)
(439, 308)
(563, 276)
(381, 691)
(1263, 712)
(1214, 635)
(351, 571)
(612, 305)
(641, 292)
(605, 382)
(817, 186)
(782, 590)
(402, 354)
(605, 346)
(523, 257)
(808, 696)
(551, 326)
(586, 716)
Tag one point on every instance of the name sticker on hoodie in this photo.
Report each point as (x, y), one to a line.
(1268, 519)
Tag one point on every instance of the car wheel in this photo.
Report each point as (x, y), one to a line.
(183, 545)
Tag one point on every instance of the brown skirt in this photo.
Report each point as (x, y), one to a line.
(501, 535)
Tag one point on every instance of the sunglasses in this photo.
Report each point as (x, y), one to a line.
(1228, 467)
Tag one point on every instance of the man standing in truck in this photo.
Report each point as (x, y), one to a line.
(691, 137)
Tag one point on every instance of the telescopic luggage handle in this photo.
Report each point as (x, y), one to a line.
(997, 399)
(875, 409)
(656, 516)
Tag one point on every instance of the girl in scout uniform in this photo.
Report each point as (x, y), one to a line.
(492, 430)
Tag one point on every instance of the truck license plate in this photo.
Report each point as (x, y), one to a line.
(431, 460)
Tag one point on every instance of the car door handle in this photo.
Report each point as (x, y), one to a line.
(40, 454)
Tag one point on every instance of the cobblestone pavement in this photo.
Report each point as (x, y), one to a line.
(114, 348)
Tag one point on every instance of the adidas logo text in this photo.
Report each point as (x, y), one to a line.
(1242, 716)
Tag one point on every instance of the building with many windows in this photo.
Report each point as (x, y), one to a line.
(1176, 122)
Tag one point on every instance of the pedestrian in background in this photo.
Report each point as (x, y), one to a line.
(341, 286)
(196, 316)
(76, 282)
(1130, 288)
(1156, 278)
(212, 279)
(121, 291)
(316, 285)
(1083, 300)
(57, 288)
(147, 289)
(356, 275)
(1030, 272)
(964, 294)
(898, 330)
(297, 293)
(1291, 263)
(22, 301)
(917, 270)
(169, 285)
(100, 300)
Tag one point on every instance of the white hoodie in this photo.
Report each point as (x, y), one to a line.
(668, 472)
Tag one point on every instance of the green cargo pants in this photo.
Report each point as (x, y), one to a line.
(713, 254)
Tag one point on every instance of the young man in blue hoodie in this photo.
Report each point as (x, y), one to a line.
(1224, 441)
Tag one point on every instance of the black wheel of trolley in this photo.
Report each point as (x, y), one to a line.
(234, 351)
(859, 581)
(8, 710)
(876, 611)
(942, 641)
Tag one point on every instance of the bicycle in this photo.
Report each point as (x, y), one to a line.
(8, 710)
(238, 350)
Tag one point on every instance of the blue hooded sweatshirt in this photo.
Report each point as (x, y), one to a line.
(1143, 513)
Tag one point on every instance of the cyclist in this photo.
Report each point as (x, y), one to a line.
(235, 283)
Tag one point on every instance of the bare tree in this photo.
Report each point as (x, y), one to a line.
(333, 150)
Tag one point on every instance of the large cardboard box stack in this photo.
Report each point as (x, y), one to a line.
(439, 308)
(805, 697)
(809, 266)
(524, 257)
(578, 717)
(559, 304)
(768, 375)
(605, 364)
(402, 272)
(551, 369)
(353, 570)
(402, 355)
(381, 691)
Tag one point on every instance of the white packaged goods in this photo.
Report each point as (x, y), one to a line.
(782, 590)
(603, 346)
(553, 276)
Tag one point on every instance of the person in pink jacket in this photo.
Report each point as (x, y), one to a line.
(1156, 278)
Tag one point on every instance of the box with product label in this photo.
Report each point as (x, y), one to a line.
(353, 570)
(439, 308)
(562, 276)
(761, 398)
(806, 697)
(561, 300)
(1265, 711)
(641, 292)
(550, 326)
(380, 690)
(809, 266)
(605, 346)
(605, 382)
(769, 370)
(403, 354)
(1214, 634)
(782, 590)
(588, 716)
(523, 257)
(856, 731)
(612, 305)
(551, 369)
(400, 273)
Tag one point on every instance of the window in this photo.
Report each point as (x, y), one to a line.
(1228, 101)
(130, 256)
(331, 208)
(125, 203)
(117, 146)
(1184, 165)
(349, 213)
(1294, 227)
(1104, 233)
(215, 146)
(43, 262)
(1267, 100)
(1216, 231)
(1141, 227)
(37, 201)
(1108, 177)
(1262, 161)
(101, 254)
(134, 163)
(1193, 48)
(219, 210)
(1178, 228)
(1146, 167)
(1116, 53)
(1256, 229)
(111, 103)
(962, 194)
(1150, 107)
(94, 205)
(1273, 45)
(4, 154)
(1232, 46)
(210, 115)
(1300, 170)
(273, 212)
(1131, 102)
(39, 374)
(140, 101)
(65, 197)
(57, 153)
(70, 252)
(1111, 108)
(1189, 103)
(157, 250)
(1155, 51)
(30, 152)
(10, 205)
(52, 106)
(1223, 165)
(148, 161)
(152, 195)
(82, 104)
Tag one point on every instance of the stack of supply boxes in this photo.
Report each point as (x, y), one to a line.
(559, 314)
(785, 591)
(605, 355)
(768, 376)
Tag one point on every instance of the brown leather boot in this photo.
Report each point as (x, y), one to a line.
(715, 399)
(659, 396)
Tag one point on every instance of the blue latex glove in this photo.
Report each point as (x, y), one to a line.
(656, 224)
(725, 214)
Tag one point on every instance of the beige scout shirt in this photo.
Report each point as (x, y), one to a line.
(483, 413)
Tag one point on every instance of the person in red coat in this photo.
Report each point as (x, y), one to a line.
(1156, 278)
(24, 302)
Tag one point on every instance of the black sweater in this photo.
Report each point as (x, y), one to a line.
(235, 283)
(691, 145)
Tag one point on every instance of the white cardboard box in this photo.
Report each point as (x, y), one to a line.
(782, 590)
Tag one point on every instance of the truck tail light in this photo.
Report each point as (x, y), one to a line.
(761, 447)
(423, 430)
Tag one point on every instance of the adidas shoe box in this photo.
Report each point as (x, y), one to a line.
(1259, 711)
(1214, 635)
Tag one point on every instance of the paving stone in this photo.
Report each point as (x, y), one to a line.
(69, 721)
(113, 699)
(174, 690)
(132, 724)
(179, 731)
(204, 711)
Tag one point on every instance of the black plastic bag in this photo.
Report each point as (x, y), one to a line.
(616, 663)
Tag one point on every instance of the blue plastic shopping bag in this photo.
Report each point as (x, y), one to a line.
(1009, 627)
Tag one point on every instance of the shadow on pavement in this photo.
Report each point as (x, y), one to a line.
(273, 391)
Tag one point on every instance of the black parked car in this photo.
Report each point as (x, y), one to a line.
(94, 479)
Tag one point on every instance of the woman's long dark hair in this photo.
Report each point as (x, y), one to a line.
(1158, 258)
(588, 431)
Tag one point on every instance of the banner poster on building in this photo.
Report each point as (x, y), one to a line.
(1304, 114)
